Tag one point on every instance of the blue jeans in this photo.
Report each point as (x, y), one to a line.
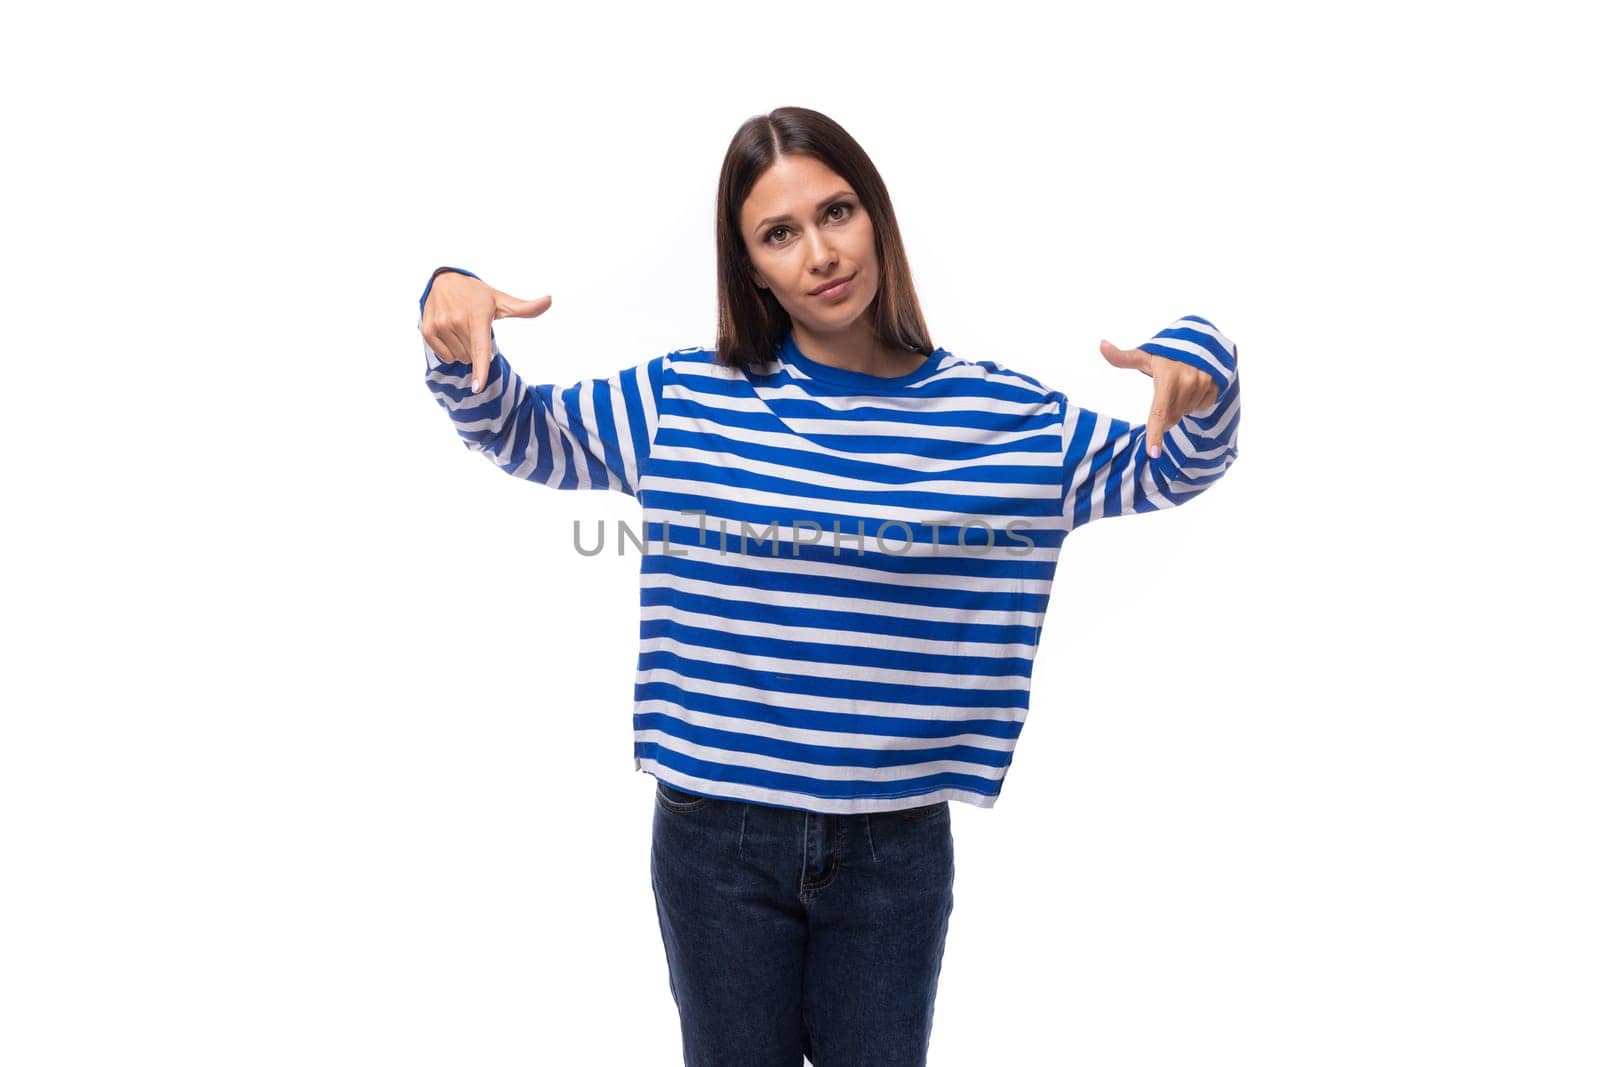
(792, 933)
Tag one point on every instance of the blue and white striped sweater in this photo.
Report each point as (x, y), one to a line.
(823, 624)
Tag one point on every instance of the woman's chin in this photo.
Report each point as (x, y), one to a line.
(842, 321)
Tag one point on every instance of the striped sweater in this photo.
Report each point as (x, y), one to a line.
(843, 577)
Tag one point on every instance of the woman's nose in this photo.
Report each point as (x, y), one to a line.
(821, 252)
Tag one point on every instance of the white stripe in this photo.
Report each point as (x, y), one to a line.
(831, 738)
(779, 600)
(824, 771)
(580, 447)
(1191, 324)
(792, 443)
(974, 486)
(785, 504)
(784, 669)
(842, 638)
(839, 705)
(624, 424)
(647, 398)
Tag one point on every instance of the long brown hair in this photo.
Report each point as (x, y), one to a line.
(751, 324)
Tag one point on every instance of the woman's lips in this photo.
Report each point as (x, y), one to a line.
(839, 289)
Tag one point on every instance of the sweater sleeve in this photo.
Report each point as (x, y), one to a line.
(1106, 469)
(594, 434)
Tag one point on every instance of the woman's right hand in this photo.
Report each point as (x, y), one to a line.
(457, 317)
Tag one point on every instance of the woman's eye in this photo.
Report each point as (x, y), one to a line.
(844, 209)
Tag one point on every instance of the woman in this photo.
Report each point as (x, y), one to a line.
(850, 541)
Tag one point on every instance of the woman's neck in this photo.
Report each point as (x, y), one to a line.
(856, 349)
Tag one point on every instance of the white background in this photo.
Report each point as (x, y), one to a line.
(317, 733)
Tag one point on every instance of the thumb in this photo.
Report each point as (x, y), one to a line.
(510, 307)
(1131, 358)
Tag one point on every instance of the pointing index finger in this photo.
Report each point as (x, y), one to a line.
(482, 355)
(1156, 426)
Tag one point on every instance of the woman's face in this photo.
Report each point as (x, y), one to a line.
(804, 228)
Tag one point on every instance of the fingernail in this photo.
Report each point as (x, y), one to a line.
(476, 385)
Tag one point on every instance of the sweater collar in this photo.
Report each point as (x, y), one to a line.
(790, 354)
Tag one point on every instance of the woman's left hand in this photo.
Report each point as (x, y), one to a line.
(1180, 389)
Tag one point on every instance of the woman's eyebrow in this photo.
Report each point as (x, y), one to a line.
(824, 202)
